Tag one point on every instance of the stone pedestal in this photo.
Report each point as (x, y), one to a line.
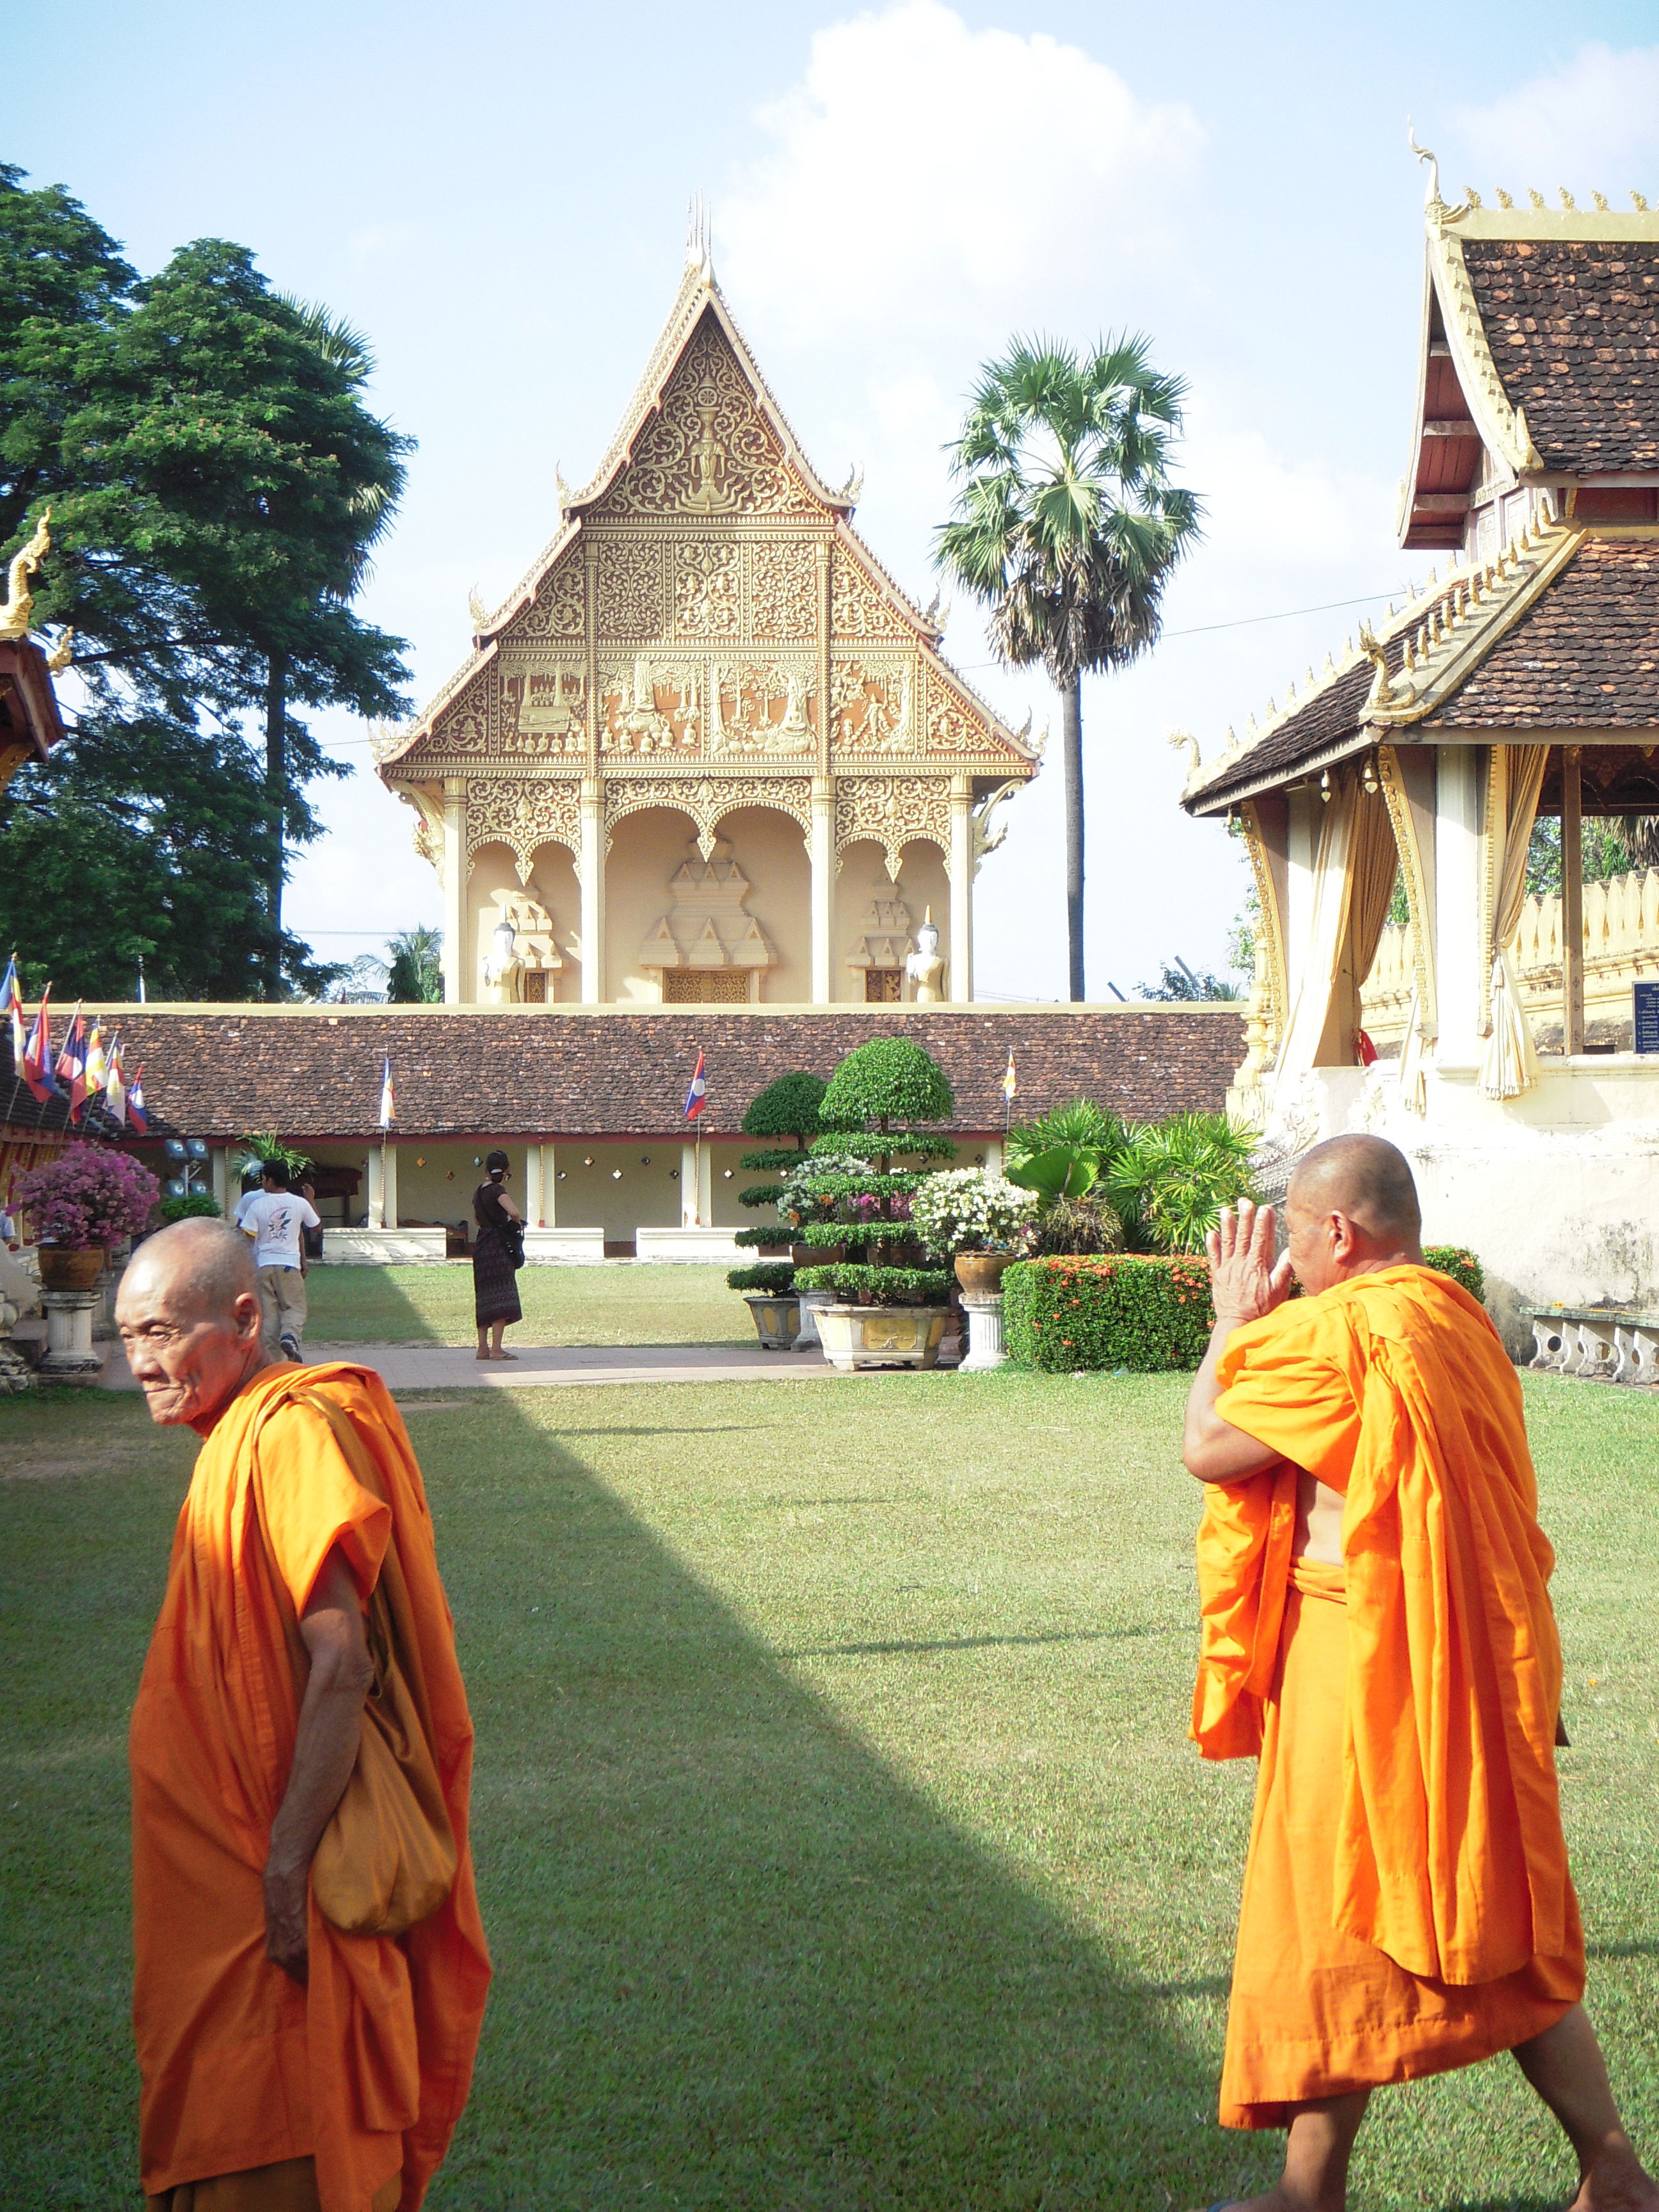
(69, 1355)
(811, 1304)
(985, 1347)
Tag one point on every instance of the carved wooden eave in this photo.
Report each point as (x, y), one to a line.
(1465, 421)
(1390, 679)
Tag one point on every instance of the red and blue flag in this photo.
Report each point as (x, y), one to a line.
(697, 1097)
(137, 1117)
(35, 1066)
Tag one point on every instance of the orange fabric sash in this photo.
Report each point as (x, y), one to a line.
(1395, 1389)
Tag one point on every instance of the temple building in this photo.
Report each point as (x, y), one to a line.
(1521, 685)
(707, 752)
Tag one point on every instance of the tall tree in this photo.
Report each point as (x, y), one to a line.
(1068, 527)
(216, 482)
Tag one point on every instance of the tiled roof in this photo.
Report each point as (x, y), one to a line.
(20, 1116)
(220, 1072)
(1584, 655)
(1573, 328)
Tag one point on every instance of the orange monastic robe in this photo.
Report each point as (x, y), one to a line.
(1407, 1905)
(366, 2069)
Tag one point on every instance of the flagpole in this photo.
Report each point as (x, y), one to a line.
(697, 1206)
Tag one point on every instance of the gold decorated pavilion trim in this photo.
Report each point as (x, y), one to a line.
(1503, 428)
(1447, 629)
(1538, 222)
(1413, 876)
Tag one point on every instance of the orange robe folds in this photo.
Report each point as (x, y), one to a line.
(367, 2067)
(1407, 1907)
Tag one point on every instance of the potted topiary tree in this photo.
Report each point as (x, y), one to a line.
(884, 1313)
(769, 1291)
(79, 1204)
(787, 1108)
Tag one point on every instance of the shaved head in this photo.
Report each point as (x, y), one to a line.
(188, 1312)
(200, 1268)
(1367, 1179)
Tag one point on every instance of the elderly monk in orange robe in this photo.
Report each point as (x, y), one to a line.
(288, 2065)
(1377, 1629)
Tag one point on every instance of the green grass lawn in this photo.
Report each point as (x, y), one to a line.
(613, 1304)
(839, 1842)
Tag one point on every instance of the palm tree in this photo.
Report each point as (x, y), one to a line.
(415, 974)
(1068, 527)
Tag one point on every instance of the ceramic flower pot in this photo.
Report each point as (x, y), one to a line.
(777, 1318)
(881, 1336)
(982, 1270)
(62, 1270)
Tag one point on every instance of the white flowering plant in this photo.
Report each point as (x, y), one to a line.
(968, 1209)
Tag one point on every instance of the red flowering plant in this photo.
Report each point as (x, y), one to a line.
(88, 1196)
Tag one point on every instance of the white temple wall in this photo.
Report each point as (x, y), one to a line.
(646, 849)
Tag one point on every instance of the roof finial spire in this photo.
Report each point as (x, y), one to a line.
(1432, 199)
(699, 251)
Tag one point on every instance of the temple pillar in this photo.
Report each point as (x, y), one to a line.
(389, 1184)
(455, 876)
(374, 1216)
(590, 868)
(1572, 901)
(1461, 959)
(532, 1186)
(549, 1158)
(821, 847)
(961, 867)
(697, 1186)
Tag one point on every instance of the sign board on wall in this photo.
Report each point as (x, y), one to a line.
(1646, 996)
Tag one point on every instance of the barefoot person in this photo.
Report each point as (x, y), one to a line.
(495, 1261)
(286, 2064)
(1376, 1627)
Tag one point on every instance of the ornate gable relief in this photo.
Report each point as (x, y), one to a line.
(857, 608)
(708, 588)
(521, 815)
(762, 709)
(885, 942)
(892, 811)
(705, 799)
(708, 449)
(950, 728)
(649, 705)
(873, 706)
(783, 589)
(463, 726)
(707, 925)
(630, 587)
(559, 608)
(545, 712)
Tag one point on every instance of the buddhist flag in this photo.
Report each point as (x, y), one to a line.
(97, 1065)
(1009, 1084)
(388, 1097)
(115, 1089)
(14, 997)
(697, 1097)
(137, 1117)
(35, 1066)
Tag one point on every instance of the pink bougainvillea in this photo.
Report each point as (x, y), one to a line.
(88, 1195)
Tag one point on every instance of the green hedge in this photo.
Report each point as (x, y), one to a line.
(1115, 1309)
(1149, 1315)
(1460, 1264)
(882, 1286)
(775, 1277)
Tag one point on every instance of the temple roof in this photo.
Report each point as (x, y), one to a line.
(577, 1072)
(1561, 633)
(1539, 359)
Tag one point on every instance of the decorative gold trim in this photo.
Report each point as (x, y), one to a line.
(1271, 979)
(1411, 868)
(1502, 426)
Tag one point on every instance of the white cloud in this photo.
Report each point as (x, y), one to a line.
(1591, 125)
(928, 169)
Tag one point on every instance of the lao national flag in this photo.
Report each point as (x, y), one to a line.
(136, 1116)
(388, 1099)
(14, 997)
(35, 1066)
(697, 1097)
(72, 1066)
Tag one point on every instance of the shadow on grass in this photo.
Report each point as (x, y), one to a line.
(740, 1964)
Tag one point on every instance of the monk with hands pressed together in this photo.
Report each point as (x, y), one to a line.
(310, 1969)
(1377, 1630)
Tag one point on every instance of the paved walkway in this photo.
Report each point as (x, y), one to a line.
(441, 1367)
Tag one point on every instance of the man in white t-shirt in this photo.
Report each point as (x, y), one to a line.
(273, 1217)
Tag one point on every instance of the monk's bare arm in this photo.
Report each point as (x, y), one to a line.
(1244, 1284)
(325, 1752)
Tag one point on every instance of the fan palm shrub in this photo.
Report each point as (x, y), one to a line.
(1169, 1183)
(1068, 528)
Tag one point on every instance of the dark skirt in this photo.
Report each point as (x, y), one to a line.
(495, 1280)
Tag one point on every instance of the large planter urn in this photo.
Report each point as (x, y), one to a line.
(881, 1336)
(982, 1270)
(64, 1270)
(811, 1305)
(777, 1318)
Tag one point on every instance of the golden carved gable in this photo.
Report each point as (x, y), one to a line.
(708, 449)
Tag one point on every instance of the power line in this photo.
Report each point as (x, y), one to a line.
(1245, 621)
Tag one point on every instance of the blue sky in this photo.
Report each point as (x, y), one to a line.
(495, 195)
